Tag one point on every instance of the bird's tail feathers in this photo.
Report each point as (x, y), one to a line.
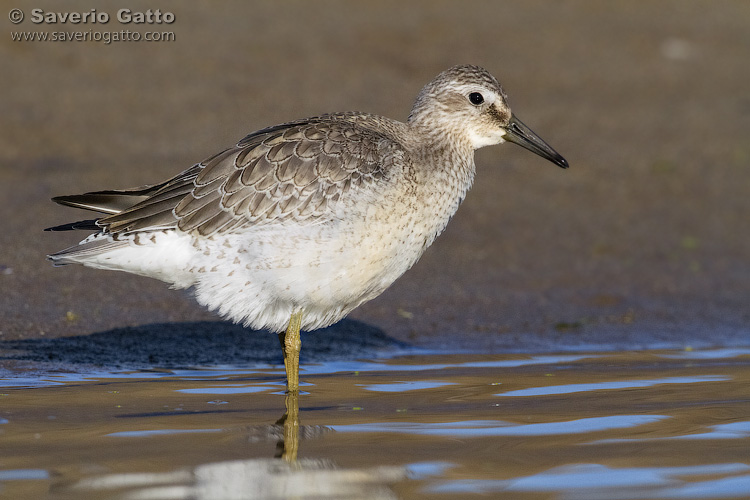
(93, 246)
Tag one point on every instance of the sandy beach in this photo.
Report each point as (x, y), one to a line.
(643, 242)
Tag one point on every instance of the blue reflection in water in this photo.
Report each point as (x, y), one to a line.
(161, 432)
(610, 482)
(406, 386)
(23, 474)
(708, 354)
(53, 379)
(226, 372)
(622, 384)
(240, 389)
(422, 470)
(733, 430)
(485, 428)
(730, 487)
(365, 366)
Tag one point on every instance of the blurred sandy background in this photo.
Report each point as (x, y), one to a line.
(644, 241)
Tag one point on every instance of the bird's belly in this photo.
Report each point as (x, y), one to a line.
(261, 277)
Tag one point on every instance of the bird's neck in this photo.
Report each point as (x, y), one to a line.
(446, 182)
(449, 154)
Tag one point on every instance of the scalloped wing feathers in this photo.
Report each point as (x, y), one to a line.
(294, 171)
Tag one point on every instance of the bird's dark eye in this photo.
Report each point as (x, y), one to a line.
(476, 98)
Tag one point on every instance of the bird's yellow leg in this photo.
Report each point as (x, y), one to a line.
(291, 343)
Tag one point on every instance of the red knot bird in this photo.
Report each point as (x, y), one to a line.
(300, 223)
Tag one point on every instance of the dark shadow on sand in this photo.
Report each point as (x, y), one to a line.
(170, 345)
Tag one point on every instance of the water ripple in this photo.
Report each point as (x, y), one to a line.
(485, 428)
(619, 384)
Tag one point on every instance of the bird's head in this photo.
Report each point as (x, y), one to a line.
(469, 102)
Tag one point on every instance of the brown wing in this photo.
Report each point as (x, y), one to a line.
(154, 199)
(294, 171)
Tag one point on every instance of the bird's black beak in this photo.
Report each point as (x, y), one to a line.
(518, 133)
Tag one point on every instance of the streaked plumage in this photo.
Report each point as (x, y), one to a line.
(315, 216)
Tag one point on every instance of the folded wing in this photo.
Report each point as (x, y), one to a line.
(297, 171)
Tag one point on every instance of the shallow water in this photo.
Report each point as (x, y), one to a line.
(624, 425)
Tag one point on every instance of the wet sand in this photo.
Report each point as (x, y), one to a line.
(641, 243)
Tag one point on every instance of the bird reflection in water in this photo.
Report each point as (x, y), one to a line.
(288, 446)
